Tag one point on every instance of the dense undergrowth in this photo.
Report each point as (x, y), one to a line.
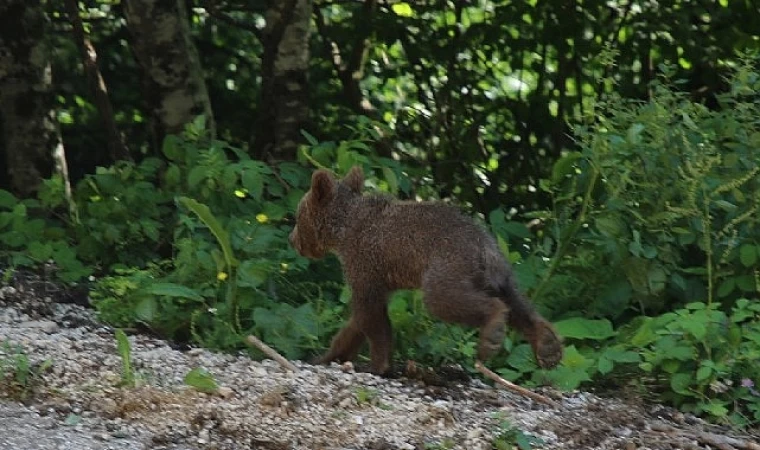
(647, 261)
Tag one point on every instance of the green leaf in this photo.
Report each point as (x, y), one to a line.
(39, 251)
(679, 352)
(656, 279)
(726, 287)
(522, 359)
(172, 175)
(170, 147)
(724, 205)
(7, 200)
(566, 378)
(391, 179)
(715, 408)
(206, 216)
(575, 360)
(704, 373)
(125, 352)
(581, 328)
(196, 175)
(309, 138)
(503, 246)
(620, 355)
(524, 441)
(746, 283)
(695, 327)
(173, 290)
(254, 182)
(680, 382)
(509, 374)
(565, 166)
(613, 299)
(5, 219)
(517, 229)
(402, 9)
(748, 255)
(72, 419)
(145, 310)
(610, 225)
(634, 133)
(252, 273)
(265, 319)
(670, 366)
(346, 158)
(604, 365)
(200, 379)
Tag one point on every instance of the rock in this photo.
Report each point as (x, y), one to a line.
(107, 407)
(225, 392)
(46, 326)
(7, 292)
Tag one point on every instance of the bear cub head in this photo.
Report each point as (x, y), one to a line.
(323, 212)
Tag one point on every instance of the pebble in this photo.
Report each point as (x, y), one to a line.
(46, 326)
(313, 408)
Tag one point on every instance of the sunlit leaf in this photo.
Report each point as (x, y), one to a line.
(402, 9)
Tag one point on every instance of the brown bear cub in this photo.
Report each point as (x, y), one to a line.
(385, 244)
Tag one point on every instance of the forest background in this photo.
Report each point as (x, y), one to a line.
(153, 152)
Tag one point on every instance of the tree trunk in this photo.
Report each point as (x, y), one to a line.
(29, 134)
(117, 147)
(175, 89)
(284, 106)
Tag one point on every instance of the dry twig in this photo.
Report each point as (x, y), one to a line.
(513, 387)
(270, 352)
(718, 441)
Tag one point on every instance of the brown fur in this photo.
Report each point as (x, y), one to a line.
(385, 244)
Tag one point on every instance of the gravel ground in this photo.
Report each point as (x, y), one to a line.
(77, 404)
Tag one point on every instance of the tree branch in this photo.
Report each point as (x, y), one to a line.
(513, 387)
(213, 10)
(270, 352)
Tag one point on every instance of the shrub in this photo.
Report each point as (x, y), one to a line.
(655, 231)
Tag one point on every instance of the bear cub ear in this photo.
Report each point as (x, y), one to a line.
(354, 179)
(322, 186)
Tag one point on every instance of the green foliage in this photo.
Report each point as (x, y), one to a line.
(231, 271)
(445, 444)
(667, 198)
(356, 150)
(125, 353)
(200, 379)
(120, 299)
(664, 197)
(18, 376)
(707, 358)
(366, 395)
(31, 236)
(370, 396)
(122, 216)
(509, 437)
(420, 337)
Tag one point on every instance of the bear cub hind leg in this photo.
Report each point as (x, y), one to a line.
(492, 333)
(457, 302)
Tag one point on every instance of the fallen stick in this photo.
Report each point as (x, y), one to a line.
(513, 387)
(719, 441)
(270, 352)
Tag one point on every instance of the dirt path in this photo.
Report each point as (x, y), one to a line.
(77, 403)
